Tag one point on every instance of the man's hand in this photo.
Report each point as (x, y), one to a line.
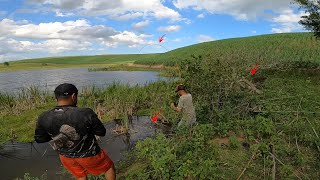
(175, 108)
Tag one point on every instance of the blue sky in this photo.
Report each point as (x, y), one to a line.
(42, 28)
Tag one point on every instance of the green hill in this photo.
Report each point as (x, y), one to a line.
(256, 49)
(265, 48)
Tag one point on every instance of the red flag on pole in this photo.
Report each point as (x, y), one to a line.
(254, 69)
(154, 118)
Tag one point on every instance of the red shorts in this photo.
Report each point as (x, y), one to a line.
(81, 167)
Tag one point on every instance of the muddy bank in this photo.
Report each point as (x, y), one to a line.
(41, 160)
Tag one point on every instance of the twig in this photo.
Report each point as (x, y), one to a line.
(264, 166)
(315, 132)
(297, 143)
(250, 85)
(284, 164)
(274, 163)
(246, 166)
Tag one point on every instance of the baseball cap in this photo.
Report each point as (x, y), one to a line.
(180, 87)
(65, 90)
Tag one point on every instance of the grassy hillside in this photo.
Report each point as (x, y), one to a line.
(99, 59)
(257, 49)
(260, 49)
(75, 61)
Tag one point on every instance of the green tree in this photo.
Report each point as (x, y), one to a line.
(311, 21)
(6, 64)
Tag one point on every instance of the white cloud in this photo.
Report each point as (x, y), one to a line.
(141, 24)
(118, 9)
(51, 46)
(287, 21)
(200, 16)
(240, 9)
(169, 28)
(22, 37)
(288, 16)
(60, 14)
(127, 16)
(204, 38)
(131, 39)
(69, 30)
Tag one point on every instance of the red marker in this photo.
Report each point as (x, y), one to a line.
(254, 69)
(154, 118)
(162, 38)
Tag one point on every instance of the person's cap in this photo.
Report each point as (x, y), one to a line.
(65, 90)
(180, 87)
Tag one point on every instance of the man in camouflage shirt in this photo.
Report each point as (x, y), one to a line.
(185, 106)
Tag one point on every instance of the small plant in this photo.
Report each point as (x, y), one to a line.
(6, 64)
(234, 143)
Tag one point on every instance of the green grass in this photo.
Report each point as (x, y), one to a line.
(118, 101)
(76, 61)
(264, 49)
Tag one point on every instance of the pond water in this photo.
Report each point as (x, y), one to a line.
(13, 82)
(41, 160)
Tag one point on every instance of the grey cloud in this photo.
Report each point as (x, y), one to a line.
(240, 9)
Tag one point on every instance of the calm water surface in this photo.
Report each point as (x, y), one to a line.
(13, 82)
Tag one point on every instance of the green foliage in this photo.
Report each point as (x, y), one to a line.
(6, 64)
(186, 155)
(264, 127)
(234, 143)
(217, 94)
(119, 100)
(312, 20)
(27, 176)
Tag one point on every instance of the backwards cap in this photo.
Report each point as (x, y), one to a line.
(65, 90)
(180, 87)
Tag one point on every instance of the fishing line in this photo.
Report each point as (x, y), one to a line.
(154, 45)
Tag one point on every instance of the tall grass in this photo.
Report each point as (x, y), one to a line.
(117, 101)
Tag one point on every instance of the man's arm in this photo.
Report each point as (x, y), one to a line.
(97, 127)
(175, 108)
(41, 135)
(179, 107)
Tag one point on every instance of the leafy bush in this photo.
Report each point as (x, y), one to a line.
(186, 155)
